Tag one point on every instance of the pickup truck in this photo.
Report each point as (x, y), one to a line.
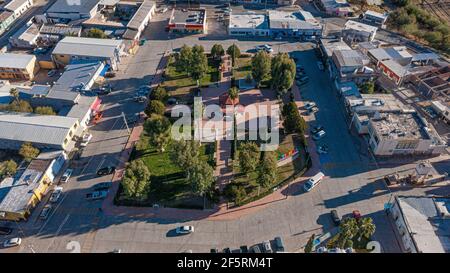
(96, 195)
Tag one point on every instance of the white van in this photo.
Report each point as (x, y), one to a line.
(313, 181)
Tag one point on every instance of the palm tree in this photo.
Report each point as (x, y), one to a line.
(366, 228)
(14, 93)
(233, 93)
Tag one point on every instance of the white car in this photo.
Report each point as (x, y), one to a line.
(184, 230)
(65, 177)
(319, 135)
(56, 194)
(85, 140)
(266, 48)
(310, 105)
(45, 212)
(12, 242)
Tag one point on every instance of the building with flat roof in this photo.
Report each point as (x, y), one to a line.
(422, 223)
(376, 18)
(85, 108)
(80, 48)
(19, 195)
(44, 132)
(403, 134)
(294, 24)
(79, 76)
(66, 11)
(355, 32)
(335, 7)
(18, 66)
(248, 24)
(327, 46)
(350, 65)
(140, 20)
(60, 30)
(188, 21)
(25, 37)
(18, 6)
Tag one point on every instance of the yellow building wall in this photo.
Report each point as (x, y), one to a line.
(47, 65)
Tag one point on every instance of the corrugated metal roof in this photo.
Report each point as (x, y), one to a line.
(26, 127)
(80, 46)
(77, 76)
(79, 6)
(19, 61)
(142, 12)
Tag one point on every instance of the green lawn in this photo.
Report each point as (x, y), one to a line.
(169, 186)
(285, 172)
(243, 67)
(179, 84)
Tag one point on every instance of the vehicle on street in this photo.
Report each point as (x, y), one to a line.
(317, 129)
(96, 195)
(335, 217)
(12, 242)
(45, 212)
(319, 135)
(322, 149)
(356, 214)
(85, 139)
(320, 65)
(315, 109)
(255, 249)
(310, 105)
(56, 194)
(184, 229)
(279, 244)
(5, 230)
(106, 170)
(266, 246)
(66, 176)
(102, 186)
(140, 99)
(313, 181)
(52, 73)
(266, 48)
(103, 90)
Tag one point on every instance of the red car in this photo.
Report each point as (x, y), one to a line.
(356, 214)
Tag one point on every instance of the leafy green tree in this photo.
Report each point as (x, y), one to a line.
(248, 157)
(155, 107)
(201, 175)
(234, 52)
(45, 110)
(233, 93)
(260, 66)
(368, 87)
(199, 65)
(267, 171)
(293, 122)
(310, 244)
(282, 72)
(20, 106)
(96, 33)
(217, 51)
(235, 193)
(158, 130)
(159, 93)
(366, 228)
(348, 229)
(28, 152)
(136, 181)
(184, 59)
(8, 168)
(185, 153)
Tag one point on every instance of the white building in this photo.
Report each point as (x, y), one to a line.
(355, 32)
(248, 24)
(19, 7)
(375, 17)
(335, 7)
(25, 37)
(403, 134)
(294, 24)
(65, 10)
(422, 223)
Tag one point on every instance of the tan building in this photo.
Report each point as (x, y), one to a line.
(18, 66)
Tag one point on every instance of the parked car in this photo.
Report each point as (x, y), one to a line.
(66, 175)
(45, 212)
(5, 230)
(96, 195)
(56, 194)
(184, 229)
(335, 217)
(266, 246)
(140, 99)
(103, 90)
(317, 129)
(12, 242)
(85, 139)
(313, 181)
(106, 170)
(102, 186)
(255, 249)
(319, 135)
(310, 105)
(266, 48)
(279, 244)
